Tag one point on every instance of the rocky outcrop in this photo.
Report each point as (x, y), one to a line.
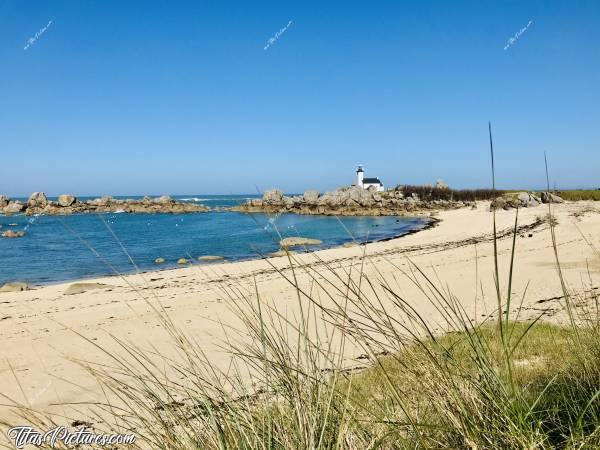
(311, 196)
(523, 200)
(13, 207)
(352, 201)
(549, 197)
(66, 204)
(37, 200)
(273, 197)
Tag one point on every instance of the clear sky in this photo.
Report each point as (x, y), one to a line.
(136, 97)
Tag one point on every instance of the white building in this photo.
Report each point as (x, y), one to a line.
(366, 183)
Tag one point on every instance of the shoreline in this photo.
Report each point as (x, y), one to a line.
(427, 222)
(41, 329)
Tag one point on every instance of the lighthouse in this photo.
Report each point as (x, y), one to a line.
(360, 175)
(367, 183)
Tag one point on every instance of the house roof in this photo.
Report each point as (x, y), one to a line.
(371, 181)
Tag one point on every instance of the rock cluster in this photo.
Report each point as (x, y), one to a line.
(38, 203)
(524, 200)
(13, 234)
(352, 201)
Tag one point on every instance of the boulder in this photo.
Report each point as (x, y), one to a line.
(13, 234)
(14, 207)
(311, 197)
(548, 197)
(273, 197)
(183, 261)
(14, 287)
(298, 241)
(523, 198)
(37, 200)
(159, 261)
(4, 200)
(210, 258)
(498, 203)
(80, 288)
(65, 200)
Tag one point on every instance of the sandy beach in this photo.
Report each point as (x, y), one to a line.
(41, 329)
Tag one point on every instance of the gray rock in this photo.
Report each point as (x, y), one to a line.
(14, 287)
(548, 197)
(4, 200)
(159, 261)
(80, 288)
(210, 258)
(298, 241)
(65, 200)
(14, 207)
(273, 197)
(37, 200)
(523, 198)
(311, 197)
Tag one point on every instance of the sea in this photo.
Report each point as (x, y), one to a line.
(79, 246)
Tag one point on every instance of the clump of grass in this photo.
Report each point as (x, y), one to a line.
(580, 194)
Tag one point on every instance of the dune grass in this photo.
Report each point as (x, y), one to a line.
(580, 194)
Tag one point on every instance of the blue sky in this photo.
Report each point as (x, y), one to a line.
(136, 97)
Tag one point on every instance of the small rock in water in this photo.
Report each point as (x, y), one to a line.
(159, 261)
(297, 241)
(13, 234)
(14, 287)
(210, 258)
(80, 288)
(183, 261)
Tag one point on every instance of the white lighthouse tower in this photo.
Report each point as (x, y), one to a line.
(360, 175)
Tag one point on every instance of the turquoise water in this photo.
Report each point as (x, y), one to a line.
(81, 246)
